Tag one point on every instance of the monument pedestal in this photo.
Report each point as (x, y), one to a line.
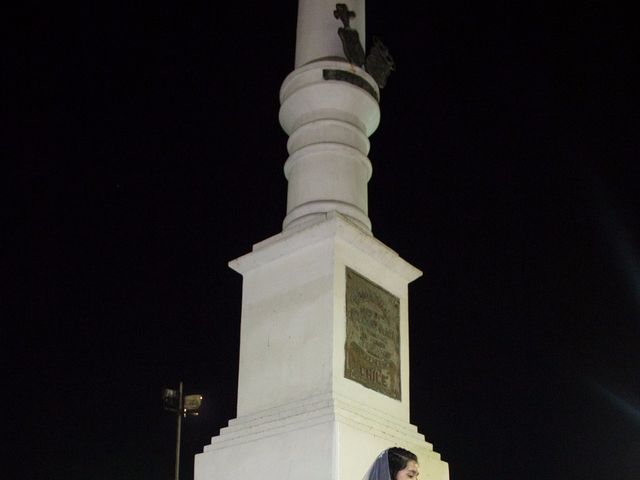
(322, 388)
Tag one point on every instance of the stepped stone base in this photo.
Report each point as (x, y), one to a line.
(317, 439)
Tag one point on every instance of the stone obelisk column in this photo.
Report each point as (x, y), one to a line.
(329, 109)
(323, 381)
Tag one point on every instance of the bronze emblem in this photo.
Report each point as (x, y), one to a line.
(379, 63)
(350, 39)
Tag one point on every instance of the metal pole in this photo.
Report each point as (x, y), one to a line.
(180, 412)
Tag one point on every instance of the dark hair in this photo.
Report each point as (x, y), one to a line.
(398, 459)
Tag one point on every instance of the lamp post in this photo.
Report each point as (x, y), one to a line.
(181, 405)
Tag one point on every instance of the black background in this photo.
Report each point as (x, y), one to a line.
(148, 154)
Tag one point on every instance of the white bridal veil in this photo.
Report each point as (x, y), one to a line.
(380, 468)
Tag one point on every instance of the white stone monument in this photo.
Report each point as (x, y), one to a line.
(323, 382)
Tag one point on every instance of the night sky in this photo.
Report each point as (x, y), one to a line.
(148, 154)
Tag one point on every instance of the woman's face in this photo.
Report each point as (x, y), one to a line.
(408, 472)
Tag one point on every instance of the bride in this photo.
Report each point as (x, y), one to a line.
(395, 463)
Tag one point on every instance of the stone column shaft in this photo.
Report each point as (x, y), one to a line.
(329, 108)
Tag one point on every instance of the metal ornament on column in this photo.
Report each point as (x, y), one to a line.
(350, 39)
(379, 63)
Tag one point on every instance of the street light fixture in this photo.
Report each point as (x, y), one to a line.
(180, 405)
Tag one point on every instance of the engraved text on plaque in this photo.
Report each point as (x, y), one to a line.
(372, 348)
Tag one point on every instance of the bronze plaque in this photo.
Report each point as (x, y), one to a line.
(372, 348)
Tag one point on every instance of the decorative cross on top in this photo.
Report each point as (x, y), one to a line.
(343, 13)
